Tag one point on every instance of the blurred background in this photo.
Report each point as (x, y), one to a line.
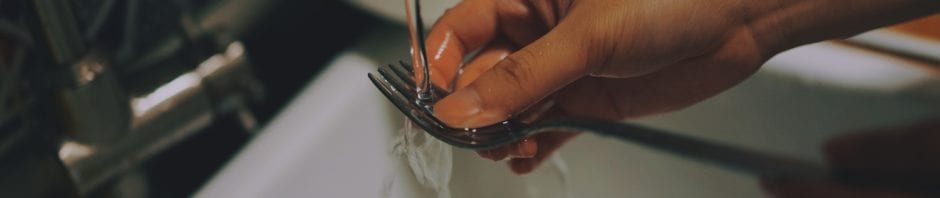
(269, 98)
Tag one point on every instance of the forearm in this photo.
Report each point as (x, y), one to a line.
(783, 24)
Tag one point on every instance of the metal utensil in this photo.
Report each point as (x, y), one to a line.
(396, 83)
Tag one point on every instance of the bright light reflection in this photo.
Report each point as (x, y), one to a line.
(72, 151)
(234, 50)
(142, 105)
(212, 64)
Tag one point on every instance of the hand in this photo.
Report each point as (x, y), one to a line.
(593, 58)
(614, 59)
(894, 158)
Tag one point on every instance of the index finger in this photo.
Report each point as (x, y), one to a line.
(462, 29)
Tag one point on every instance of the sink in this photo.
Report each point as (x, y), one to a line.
(333, 139)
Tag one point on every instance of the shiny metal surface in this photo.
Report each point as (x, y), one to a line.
(86, 98)
(222, 83)
(97, 109)
(751, 162)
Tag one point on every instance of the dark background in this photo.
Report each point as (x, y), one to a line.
(287, 48)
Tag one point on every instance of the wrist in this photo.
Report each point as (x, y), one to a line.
(779, 25)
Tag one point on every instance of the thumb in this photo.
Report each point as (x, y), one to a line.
(520, 80)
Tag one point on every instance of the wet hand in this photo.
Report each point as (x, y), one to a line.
(590, 58)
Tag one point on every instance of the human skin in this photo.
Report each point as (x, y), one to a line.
(616, 59)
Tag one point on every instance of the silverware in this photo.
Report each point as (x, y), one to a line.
(396, 83)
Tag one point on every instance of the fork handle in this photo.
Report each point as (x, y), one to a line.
(738, 159)
(727, 156)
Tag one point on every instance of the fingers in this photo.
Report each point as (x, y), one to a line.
(495, 154)
(525, 148)
(548, 143)
(520, 21)
(668, 89)
(474, 23)
(484, 61)
(522, 79)
(822, 189)
(467, 26)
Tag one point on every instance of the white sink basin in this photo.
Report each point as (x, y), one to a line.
(333, 139)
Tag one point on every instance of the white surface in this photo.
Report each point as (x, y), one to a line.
(332, 140)
(901, 42)
(845, 67)
(328, 143)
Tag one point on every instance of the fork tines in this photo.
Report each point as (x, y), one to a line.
(401, 82)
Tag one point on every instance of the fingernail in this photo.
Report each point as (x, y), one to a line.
(525, 148)
(459, 108)
(496, 154)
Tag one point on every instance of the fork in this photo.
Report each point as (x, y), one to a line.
(396, 82)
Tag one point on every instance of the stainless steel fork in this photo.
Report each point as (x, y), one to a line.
(397, 84)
